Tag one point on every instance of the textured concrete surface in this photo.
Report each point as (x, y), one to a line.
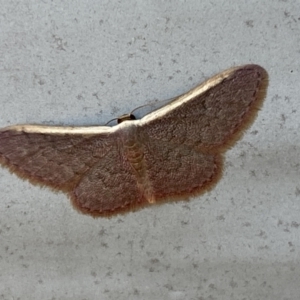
(85, 62)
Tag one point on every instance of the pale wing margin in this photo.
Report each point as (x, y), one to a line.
(186, 97)
(213, 115)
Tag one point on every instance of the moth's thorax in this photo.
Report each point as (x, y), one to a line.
(132, 146)
(134, 153)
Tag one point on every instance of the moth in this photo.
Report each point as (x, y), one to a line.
(174, 152)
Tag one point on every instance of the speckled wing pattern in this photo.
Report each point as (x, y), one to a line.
(172, 153)
(88, 166)
(190, 134)
(55, 160)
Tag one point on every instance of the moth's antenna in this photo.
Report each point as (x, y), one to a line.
(127, 117)
(131, 116)
(110, 121)
(141, 107)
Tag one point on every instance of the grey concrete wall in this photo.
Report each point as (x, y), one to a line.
(85, 62)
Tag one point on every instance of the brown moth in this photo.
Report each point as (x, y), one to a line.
(173, 152)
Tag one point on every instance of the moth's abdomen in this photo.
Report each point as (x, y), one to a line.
(134, 150)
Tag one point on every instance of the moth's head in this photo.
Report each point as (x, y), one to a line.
(126, 117)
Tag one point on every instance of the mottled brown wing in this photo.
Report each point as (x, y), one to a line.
(52, 159)
(109, 187)
(213, 115)
(177, 171)
(87, 166)
(173, 152)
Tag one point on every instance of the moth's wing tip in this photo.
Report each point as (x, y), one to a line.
(263, 78)
(253, 111)
(8, 128)
(254, 67)
(18, 128)
(262, 85)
